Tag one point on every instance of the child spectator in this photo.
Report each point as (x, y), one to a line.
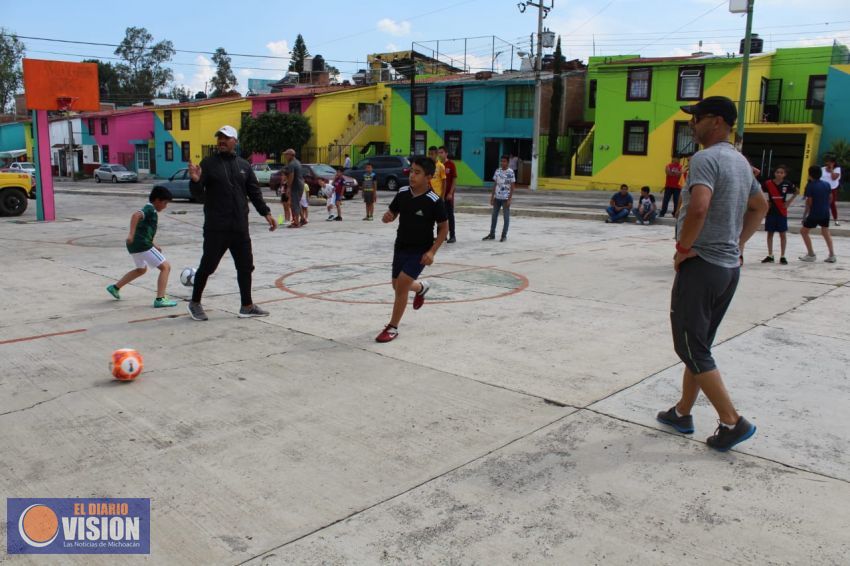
(327, 191)
(778, 190)
(145, 253)
(645, 211)
(370, 193)
(339, 192)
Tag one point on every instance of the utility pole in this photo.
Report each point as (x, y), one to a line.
(71, 148)
(745, 66)
(412, 98)
(542, 12)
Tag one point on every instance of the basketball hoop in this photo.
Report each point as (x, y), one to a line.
(64, 103)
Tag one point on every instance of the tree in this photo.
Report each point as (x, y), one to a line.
(299, 51)
(274, 132)
(11, 77)
(552, 161)
(142, 74)
(177, 92)
(224, 79)
(109, 83)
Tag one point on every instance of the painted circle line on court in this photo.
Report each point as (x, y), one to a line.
(521, 283)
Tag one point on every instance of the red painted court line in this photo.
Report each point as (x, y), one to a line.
(528, 260)
(39, 336)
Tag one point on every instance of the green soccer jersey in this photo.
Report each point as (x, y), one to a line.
(145, 231)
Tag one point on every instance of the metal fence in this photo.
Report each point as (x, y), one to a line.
(795, 111)
(584, 155)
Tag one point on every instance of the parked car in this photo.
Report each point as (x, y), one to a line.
(264, 171)
(22, 167)
(178, 184)
(115, 173)
(15, 188)
(392, 171)
(312, 172)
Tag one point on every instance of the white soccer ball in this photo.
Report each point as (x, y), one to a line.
(187, 277)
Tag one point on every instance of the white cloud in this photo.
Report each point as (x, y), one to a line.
(205, 72)
(278, 48)
(392, 27)
(391, 47)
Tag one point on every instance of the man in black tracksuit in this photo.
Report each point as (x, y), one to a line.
(224, 182)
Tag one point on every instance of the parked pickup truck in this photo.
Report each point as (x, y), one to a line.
(15, 189)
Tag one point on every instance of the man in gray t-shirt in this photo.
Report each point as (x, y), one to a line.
(295, 186)
(723, 207)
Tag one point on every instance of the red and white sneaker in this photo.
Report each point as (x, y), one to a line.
(388, 334)
(419, 298)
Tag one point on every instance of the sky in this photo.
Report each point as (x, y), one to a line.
(344, 33)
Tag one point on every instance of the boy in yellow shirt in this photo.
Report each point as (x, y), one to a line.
(438, 181)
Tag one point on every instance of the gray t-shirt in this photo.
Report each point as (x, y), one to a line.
(294, 167)
(727, 173)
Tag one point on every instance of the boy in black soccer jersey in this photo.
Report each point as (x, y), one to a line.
(418, 209)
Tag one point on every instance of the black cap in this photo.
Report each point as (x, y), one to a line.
(715, 105)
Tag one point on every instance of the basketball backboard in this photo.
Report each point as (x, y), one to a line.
(59, 85)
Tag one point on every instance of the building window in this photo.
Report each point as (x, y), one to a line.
(104, 126)
(591, 98)
(169, 151)
(691, 80)
(684, 144)
(519, 101)
(95, 154)
(454, 100)
(420, 100)
(639, 85)
(420, 142)
(166, 119)
(453, 141)
(295, 107)
(817, 91)
(105, 154)
(245, 116)
(635, 133)
(184, 152)
(271, 105)
(91, 126)
(184, 119)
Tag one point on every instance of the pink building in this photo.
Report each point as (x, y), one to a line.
(121, 136)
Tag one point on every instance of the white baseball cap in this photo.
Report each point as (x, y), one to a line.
(228, 131)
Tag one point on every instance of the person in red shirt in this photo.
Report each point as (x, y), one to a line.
(672, 186)
(449, 192)
(339, 190)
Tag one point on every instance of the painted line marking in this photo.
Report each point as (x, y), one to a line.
(40, 336)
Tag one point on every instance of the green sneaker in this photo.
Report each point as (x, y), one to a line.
(164, 302)
(113, 290)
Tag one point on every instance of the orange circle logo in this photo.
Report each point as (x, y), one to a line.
(38, 525)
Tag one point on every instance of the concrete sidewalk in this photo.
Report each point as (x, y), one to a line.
(512, 421)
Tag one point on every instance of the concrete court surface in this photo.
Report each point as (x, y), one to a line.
(512, 421)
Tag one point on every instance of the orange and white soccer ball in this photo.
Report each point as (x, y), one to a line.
(126, 364)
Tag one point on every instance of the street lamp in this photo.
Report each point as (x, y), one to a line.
(542, 12)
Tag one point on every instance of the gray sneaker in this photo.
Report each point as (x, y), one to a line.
(196, 311)
(831, 259)
(252, 311)
(808, 258)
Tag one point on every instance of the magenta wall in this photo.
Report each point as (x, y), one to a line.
(122, 129)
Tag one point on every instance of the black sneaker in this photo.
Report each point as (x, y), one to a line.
(768, 259)
(684, 424)
(489, 237)
(783, 261)
(725, 438)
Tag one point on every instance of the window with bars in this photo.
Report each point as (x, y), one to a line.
(167, 122)
(105, 154)
(639, 85)
(454, 100)
(184, 119)
(635, 134)
(453, 140)
(185, 154)
(95, 154)
(104, 126)
(519, 101)
(169, 151)
(420, 142)
(295, 106)
(271, 105)
(91, 126)
(690, 83)
(420, 100)
(684, 144)
(591, 97)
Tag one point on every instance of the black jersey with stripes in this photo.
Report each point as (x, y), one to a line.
(417, 216)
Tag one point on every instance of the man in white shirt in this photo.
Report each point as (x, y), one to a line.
(831, 173)
(347, 163)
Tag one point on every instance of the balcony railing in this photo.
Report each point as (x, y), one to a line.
(784, 112)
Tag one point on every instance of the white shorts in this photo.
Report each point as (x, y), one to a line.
(150, 258)
(332, 199)
(304, 203)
